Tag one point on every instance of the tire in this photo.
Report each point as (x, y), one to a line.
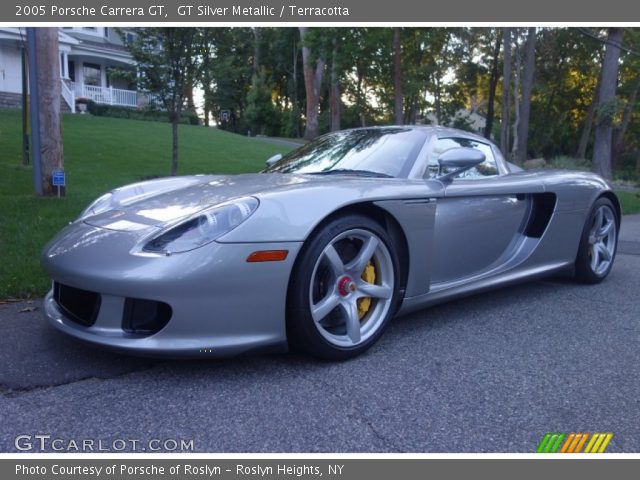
(344, 289)
(599, 242)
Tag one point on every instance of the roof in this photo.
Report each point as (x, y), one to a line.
(19, 34)
(97, 41)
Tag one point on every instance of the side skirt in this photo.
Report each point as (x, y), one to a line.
(443, 294)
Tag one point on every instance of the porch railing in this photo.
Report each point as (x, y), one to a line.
(69, 96)
(107, 95)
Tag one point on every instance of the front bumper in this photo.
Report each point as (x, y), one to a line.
(221, 304)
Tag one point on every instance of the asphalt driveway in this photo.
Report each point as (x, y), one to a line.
(490, 373)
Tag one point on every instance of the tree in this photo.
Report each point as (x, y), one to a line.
(167, 61)
(625, 141)
(607, 104)
(527, 87)
(506, 91)
(516, 97)
(312, 82)
(588, 124)
(493, 83)
(397, 76)
(335, 92)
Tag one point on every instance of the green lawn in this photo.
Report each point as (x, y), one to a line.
(629, 201)
(100, 154)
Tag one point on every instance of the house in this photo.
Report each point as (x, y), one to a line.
(94, 64)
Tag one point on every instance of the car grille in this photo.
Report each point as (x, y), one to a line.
(80, 306)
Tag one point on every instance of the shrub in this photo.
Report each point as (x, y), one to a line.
(569, 163)
(147, 114)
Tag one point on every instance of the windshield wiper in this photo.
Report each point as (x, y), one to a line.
(348, 171)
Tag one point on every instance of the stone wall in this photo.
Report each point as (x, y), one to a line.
(10, 100)
(14, 100)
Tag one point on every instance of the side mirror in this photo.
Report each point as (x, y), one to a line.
(459, 159)
(276, 158)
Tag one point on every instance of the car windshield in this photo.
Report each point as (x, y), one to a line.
(384, 152)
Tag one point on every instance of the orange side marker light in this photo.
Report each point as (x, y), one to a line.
(268, 256)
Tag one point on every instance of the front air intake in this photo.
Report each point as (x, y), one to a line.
(79, 306)
(144, 317)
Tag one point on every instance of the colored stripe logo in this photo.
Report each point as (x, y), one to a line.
(574, 443)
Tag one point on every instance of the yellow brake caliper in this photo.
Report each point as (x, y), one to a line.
(369, 276)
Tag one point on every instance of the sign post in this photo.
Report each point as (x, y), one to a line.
(58, 179)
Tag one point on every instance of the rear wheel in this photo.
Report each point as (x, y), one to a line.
(598, 243)
(344, 289)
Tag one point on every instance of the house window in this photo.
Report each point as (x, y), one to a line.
(106, 32)
(91, 29)
(91, 74)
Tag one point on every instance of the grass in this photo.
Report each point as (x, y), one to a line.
(100, 153)
(629, 201)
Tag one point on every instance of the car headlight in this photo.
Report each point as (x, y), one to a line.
(202, 228)
(101, 204)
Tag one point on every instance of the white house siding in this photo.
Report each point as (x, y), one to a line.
(78, 46)
(10, 69)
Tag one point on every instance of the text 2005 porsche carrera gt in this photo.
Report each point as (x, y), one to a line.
(323, 248)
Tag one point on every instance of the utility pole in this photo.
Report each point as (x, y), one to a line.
(46, 125)
(34, 111)
(25, 107)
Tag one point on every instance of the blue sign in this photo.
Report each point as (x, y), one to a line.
(57, 177)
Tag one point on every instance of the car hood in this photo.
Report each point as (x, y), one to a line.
(158, 204)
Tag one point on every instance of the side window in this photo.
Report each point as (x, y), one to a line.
(488, 168)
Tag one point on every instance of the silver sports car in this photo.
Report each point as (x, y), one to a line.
(323, 248)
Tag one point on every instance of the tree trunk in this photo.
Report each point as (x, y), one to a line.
(256, 50)
(359, 96)
(312, 83)
(604, 121)
(516, 101)
(436, 99)
(618, 143)
(588, 124)
(294, 100)
(174, 135)
(506, 92)
(206, 112)
(334, 97)
(48, 75)
(397, 76)
(191, 105)
(527, 87)
(493, 83)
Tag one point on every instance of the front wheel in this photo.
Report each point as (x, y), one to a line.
(344, 289)
(598, 243)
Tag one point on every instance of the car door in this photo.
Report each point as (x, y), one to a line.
(480, 221)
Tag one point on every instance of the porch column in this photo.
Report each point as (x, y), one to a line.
(65, 64)
(103, 76)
